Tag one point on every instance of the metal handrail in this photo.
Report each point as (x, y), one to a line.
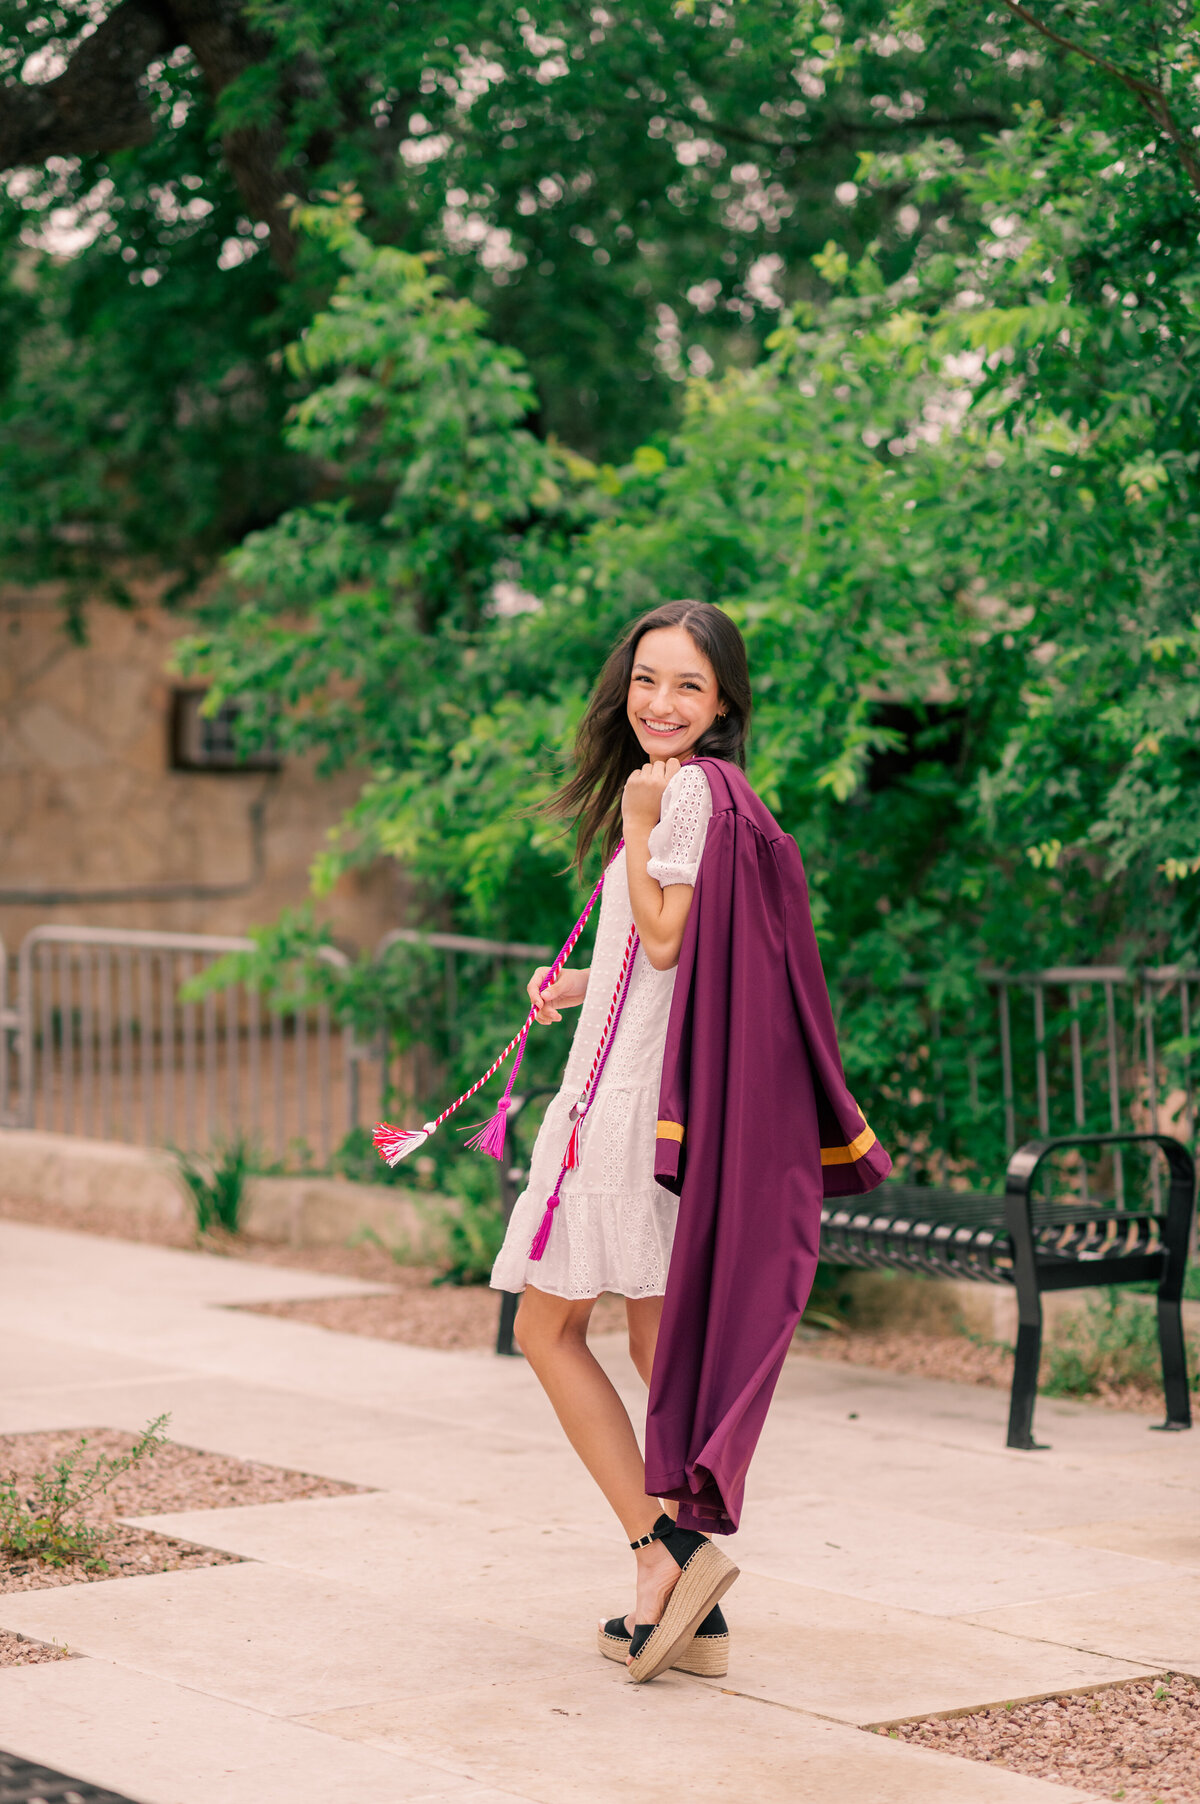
(458, 942)
(65, 971)
(145, 944)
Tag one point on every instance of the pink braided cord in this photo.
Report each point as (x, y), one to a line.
(394, 1143)
(541, 1238)
(610, 1025)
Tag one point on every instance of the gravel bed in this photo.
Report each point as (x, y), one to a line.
(422, 1315)
(175, 1478)
(956, 1358)
(16, 1650)
(127, 1553)
(1139, 1741)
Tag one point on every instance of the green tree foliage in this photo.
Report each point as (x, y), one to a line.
(955, 511)
(630, 195)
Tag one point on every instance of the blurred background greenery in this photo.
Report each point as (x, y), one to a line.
(452, 337)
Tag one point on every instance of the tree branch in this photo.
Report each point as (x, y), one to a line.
(1151, 97)
(225, 48)
(96, 104)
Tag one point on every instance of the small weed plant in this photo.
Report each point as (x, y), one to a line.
(41, 1517)
(216, 1185)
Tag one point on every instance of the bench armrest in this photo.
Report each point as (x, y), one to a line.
(1018, 1212)
(1027, 1160)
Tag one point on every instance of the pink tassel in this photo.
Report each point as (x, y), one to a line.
(541, 1239)
(393, 1144)
(571, 1161)
(490, 1138)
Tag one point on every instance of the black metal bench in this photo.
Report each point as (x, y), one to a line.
(1036, 1244)
(1019, 1238)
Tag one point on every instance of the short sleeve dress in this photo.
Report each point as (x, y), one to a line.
(614, 1224)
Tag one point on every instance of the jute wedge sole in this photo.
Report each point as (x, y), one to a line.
(702, 1582)
(706, 1655)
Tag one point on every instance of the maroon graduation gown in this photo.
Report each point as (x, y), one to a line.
(756, 1127)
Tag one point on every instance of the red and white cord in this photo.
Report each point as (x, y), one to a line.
(394, 1144)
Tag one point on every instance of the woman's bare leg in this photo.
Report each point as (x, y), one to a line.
(643, 1315)
(552, 1334)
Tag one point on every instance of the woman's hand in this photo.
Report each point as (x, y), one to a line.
(567, 991)
(641, 802)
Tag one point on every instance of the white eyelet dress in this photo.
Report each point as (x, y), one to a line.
(614, 1225)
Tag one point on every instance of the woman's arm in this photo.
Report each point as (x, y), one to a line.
(660, 915)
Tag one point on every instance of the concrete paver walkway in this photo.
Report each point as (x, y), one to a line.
(433, 1638)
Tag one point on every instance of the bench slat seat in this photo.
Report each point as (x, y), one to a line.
(964, 1234)
(1036, 1244)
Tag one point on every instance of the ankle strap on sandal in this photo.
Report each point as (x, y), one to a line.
(664, 1526)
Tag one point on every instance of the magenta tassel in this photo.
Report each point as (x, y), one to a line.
(541, 1239)
(490, 1138)
(394, 1144)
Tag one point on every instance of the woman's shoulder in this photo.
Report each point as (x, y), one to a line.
(688, 784)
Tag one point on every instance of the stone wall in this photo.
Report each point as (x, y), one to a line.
(97, 828)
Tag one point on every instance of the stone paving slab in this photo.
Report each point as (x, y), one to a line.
(421, 1550)
(244, 1420)
(799, 1645)
(924, 1562)
(444, 1623)
(858, 1662)
(975, 1417)
(578, 1742)
(1175, 1540)
(985, 1486)
(1158, 1624)
(34, 1364)
(170, 1744)
(278, 1640)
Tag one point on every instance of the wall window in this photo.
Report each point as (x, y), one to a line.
(208, 742)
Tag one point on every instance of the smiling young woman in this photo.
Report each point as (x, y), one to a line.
(663, 738)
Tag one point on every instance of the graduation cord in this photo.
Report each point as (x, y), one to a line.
(586, 1096)
(394, 1144)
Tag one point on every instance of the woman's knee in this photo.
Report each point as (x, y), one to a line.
(540, 1328)
(525, 1329)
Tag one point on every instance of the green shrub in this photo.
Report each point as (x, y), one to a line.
(473, 1225)
(41, 1517)
(468, 1228)
(216, 1185)
(1112, 1340)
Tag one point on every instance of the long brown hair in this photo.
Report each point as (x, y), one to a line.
(606, 746)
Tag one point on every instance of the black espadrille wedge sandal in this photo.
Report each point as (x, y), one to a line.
(705, 1575)
(706, 1654)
